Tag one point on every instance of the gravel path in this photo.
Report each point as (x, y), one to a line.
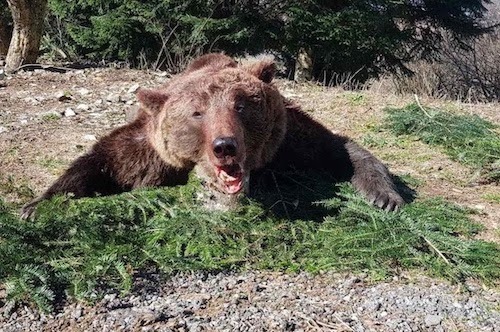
(268, 301)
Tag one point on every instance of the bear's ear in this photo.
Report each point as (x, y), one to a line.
(152, 100)
(264, 69)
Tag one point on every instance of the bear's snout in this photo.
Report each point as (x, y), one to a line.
(224, 147)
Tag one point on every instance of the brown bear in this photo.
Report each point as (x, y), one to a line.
(228, 119)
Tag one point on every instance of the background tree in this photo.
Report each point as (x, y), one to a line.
(362, 36)
(365, 37)
(368, 37)
(5, 28)
(28, 19)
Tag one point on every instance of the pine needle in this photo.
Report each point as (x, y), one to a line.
(83, 247)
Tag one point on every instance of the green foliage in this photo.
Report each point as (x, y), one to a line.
(468, 139)
(79, 246)
(50, 117)
(4, 11)
(344, 36)
(494, 198)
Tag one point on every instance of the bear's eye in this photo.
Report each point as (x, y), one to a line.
(197, 115)
(240, 107)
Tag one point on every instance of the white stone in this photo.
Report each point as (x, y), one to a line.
(433, 320)
(134, 88)
(83, 107)
(69, 112)
(90, 138)
(30, 100)
(83, 91)
(113, 98)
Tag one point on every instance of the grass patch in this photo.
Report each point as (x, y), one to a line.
(51, 117)
(9, 185)
(492, 197)
(354, 98)
(467, 139)
(76, 246)
(50, 163)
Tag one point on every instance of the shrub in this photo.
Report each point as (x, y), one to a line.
(5, 27)
(469, 72)
(342, 36)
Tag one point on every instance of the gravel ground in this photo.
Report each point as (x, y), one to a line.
(42, 130)
(270, 301)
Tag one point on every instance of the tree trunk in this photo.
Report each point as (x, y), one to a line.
(303, 66)
(28, 17)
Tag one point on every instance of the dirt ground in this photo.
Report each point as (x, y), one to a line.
(48, 119)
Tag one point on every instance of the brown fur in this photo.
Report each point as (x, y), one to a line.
(212, 62)
(179, 125)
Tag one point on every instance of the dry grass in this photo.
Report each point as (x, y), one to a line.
(468, 72)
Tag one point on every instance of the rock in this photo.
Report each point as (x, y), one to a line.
(69, 112)
(133, 88)
(83, 91)
(3, 129)
(83, 107)
(90, 138)
(479, 207)
(77, 313)
(31, 100)
(113, 98)
(3, 83)
(433, 320)
(63, 95)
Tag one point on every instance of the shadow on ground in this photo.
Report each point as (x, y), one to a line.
(298, 195)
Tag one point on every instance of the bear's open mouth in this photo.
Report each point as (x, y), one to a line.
(231, 177)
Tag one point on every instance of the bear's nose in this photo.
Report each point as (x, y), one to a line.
(224, 147)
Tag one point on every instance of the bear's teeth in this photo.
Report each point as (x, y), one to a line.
(226, 177)
(234, 187)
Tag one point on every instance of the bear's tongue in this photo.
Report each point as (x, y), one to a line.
(232, 178)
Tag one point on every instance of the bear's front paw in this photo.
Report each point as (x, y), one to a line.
(28, 211)
(388, 200)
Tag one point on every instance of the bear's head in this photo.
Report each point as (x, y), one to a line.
(227, 119)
